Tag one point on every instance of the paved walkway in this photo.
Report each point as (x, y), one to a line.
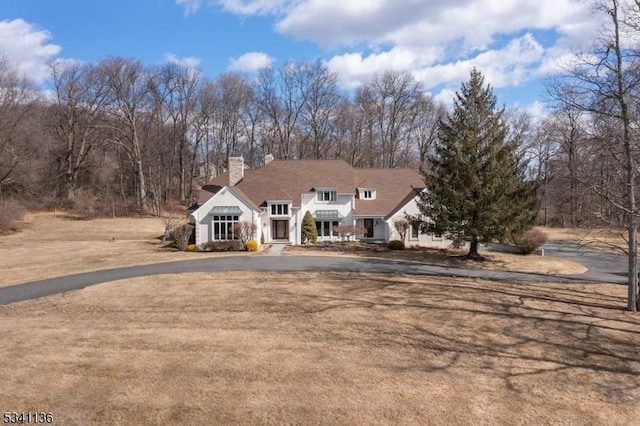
(52, 286)
(276, 249)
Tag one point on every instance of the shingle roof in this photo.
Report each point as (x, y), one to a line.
(289, 179)
(394, 187)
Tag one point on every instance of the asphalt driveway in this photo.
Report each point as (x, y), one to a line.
(52, 286)
(601, 266)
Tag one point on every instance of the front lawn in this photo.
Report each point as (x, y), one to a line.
(324, 348)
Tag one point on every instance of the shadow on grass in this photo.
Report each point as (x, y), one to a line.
(519, 332)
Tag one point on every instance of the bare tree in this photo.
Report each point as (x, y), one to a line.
(233, 94)
(395, 98)
(425, 130)
(79, 100)
(178, 88)
(245, 231)
(402, 226)
(128, 86)
(282, 96)
(320, 112)
(16, 103)
(605, 82)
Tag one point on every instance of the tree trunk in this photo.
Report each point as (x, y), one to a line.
(633, 299)
(473, 249)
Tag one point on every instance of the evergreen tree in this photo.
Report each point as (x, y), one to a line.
(476, 189)
(309, 230)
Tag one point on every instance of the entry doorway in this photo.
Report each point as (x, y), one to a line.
(280, 229)
(368, 225)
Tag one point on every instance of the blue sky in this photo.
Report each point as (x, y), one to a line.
(514, 43)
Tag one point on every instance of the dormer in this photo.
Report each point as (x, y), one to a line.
(366, 193)
(326, 195)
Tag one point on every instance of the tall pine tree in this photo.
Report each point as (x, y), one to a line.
(476, 189)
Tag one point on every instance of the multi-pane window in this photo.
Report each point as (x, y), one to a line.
(223, 227)
(279, 209)
(325, 228)
(327, 195)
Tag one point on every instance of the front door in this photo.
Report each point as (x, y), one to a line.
(368, 225)
(280, 229)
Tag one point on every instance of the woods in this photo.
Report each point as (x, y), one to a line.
(119, 136)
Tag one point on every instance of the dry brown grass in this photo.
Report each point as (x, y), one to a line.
(494, 261)
(314, 348)
(51, 245)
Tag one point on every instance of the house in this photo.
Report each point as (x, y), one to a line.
(276, 197)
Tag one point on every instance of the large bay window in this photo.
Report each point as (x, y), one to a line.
(223, 227)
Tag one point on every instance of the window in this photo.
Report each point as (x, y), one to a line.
(223, 227)
(327, 195)
(279, 209)
(367, 194)
(415, 230)
(325, 228)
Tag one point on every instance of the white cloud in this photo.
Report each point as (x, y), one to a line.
(188, 61)
(252, 7)
(354, 68)
(190, 6)
(537, 111)
(510, 41)
(509, 66)
(249, 62)
(424, 22)
(27, 48)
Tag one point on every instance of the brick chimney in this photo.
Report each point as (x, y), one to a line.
(236, 170)
(267, 159)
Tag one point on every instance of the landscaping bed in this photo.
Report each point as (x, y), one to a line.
(447, 256)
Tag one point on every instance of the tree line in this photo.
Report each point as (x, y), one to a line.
(119, 136)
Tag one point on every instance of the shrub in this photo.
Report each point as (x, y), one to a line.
(245, 231)
(346, 232)
(251, 245)
(192, 247)
(232, 245)
(181, 235)
(262, 239)
(530, 241)
(402, 226)
(10, 213)
(309, 230)
(84, 205)
(395, 245)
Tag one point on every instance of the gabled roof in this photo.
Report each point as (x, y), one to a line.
(393, 187)
(288, 179)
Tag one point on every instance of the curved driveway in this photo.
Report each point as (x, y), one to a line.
(601, 266)
(51, 286)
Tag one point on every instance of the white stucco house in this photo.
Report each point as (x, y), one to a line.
(276, 197)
